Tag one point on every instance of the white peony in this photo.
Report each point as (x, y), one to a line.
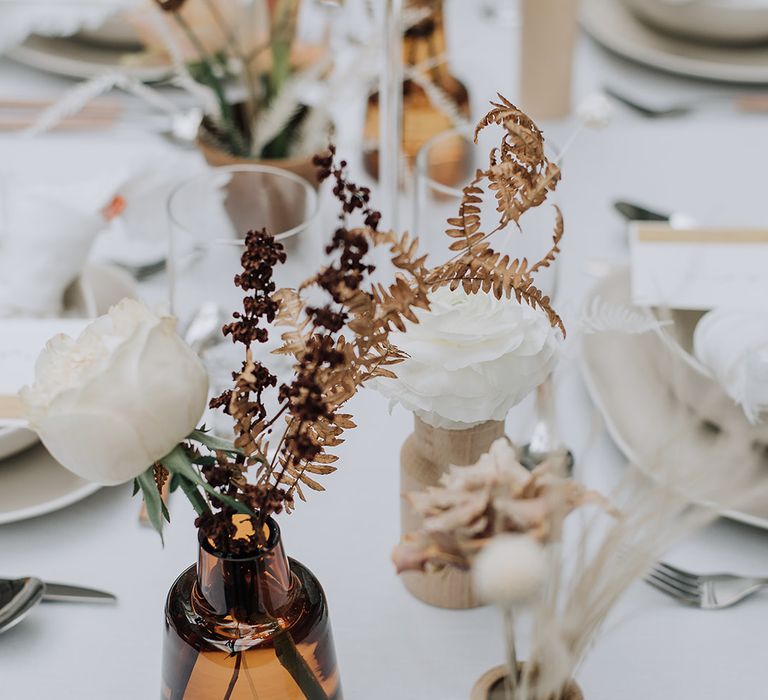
(120, 397)
(471, 358)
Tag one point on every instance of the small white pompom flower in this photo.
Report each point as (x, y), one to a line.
(509, 571)
(595, 111)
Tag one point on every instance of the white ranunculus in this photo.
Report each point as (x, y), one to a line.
(120, 397)
(471, 358)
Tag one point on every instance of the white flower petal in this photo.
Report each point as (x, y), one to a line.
(120, 397)
(471, 358)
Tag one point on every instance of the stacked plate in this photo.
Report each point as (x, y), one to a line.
(724, 40)
(662, 407)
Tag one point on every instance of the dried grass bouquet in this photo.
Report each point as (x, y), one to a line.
(242, 60)
(122, 401)
(510, 528)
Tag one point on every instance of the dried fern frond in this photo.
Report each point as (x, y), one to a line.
(368, 354)
(335, 348)
(520, 177)
(600, 315)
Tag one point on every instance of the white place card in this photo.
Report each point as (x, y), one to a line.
(698, 268)
(21, 341)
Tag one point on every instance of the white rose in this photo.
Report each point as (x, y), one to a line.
(120, 397)
(471, 358)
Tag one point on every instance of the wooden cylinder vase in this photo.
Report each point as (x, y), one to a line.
(549, 31)
(492, 686)
(424, 458)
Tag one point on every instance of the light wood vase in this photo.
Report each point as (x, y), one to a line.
(549, 30)
(490, 686)
(424, 458)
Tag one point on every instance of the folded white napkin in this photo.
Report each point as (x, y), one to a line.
(45, 240)
(49, 230)
(138, 230)
(733, 345)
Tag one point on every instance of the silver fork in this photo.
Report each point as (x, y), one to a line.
(707, 591)
(748, 102)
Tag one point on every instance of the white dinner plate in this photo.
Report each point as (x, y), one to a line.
(611, 24)
(33, 483)
(629, 380)
(79, 59)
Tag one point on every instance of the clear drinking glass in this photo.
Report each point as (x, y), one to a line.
(211, 213)
(209, 216)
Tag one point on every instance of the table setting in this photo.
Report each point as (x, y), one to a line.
(412, 349)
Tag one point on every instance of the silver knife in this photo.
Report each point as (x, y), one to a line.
(65, 593)
(635, 212)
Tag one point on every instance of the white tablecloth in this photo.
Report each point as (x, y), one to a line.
(390, 645)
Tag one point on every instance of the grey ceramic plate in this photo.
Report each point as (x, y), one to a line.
(80, 59)
(635, 381)
(33, 483)
(611, 24)
(716, 21)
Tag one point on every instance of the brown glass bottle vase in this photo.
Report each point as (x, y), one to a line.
(247, 627)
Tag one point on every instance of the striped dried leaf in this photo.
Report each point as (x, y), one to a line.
(521, 177)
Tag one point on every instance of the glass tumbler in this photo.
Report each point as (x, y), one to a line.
(209, 216)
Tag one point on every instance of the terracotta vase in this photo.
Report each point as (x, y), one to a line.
(424, 458)
(491, 686)
(239, 627)
(216, 157)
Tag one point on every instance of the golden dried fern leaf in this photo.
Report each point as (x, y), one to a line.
(520, 176)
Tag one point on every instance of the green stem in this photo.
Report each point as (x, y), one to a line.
(207, 75)
(510, 686)
(194, 496)
(283, 32)
(235, 674)
(293, 662)
(178, 462)
(233, 43)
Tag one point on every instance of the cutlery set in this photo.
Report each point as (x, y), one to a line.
(18, 597)
(705, 591)
(754, 103)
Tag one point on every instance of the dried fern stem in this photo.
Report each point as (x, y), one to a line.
(521, 177)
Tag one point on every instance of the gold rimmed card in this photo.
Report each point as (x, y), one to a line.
(698, 268)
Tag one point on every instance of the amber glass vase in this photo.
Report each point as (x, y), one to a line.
(423, 46)
(248, 627)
